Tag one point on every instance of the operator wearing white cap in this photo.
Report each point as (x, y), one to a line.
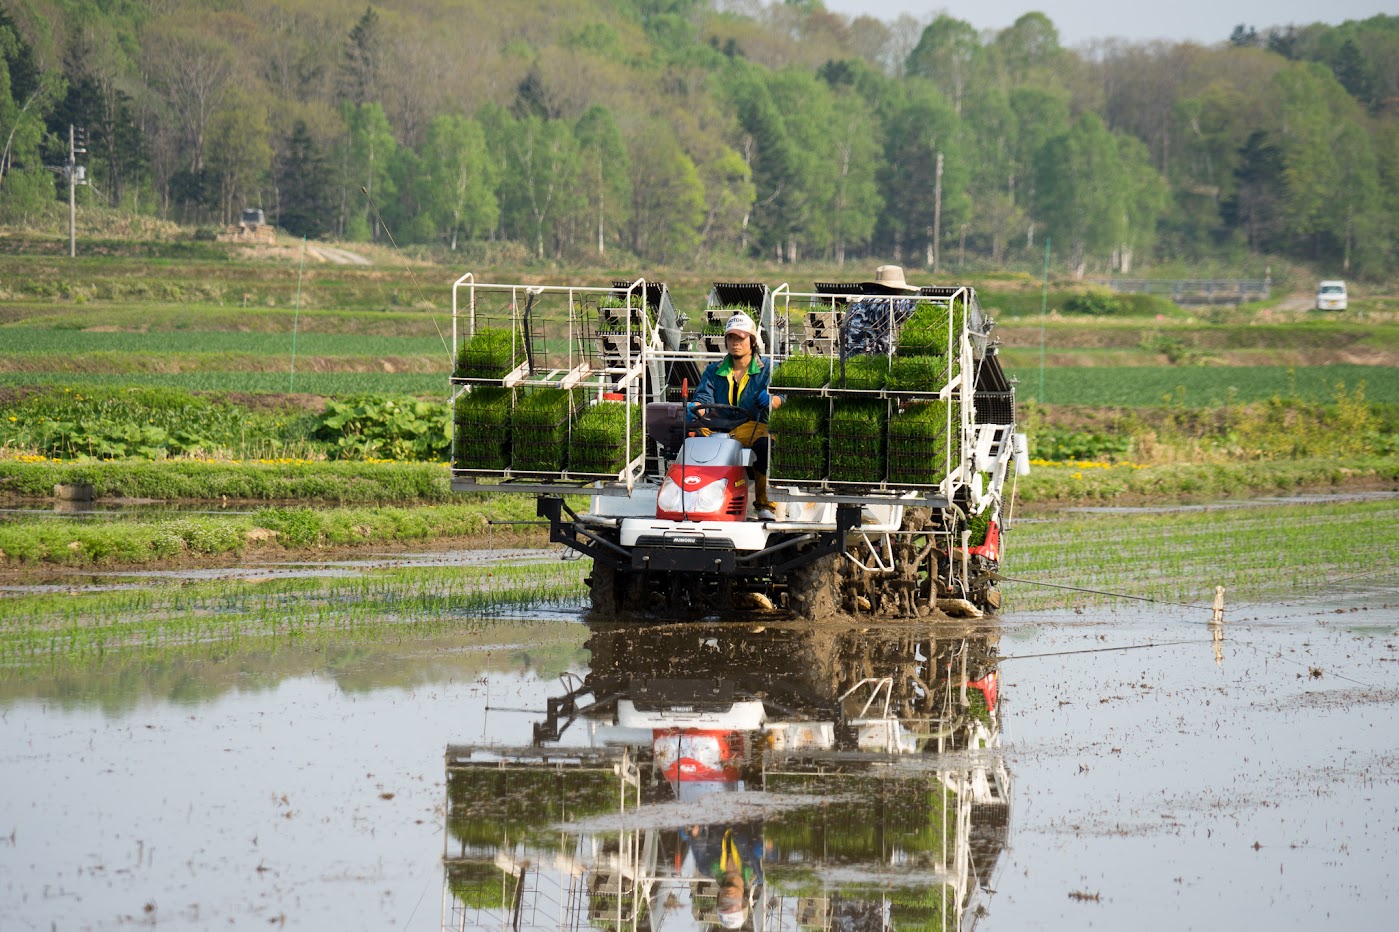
(741, 379)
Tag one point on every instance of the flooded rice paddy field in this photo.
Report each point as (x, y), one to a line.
(1128, 766)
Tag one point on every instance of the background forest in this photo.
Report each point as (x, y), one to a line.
(670, 131)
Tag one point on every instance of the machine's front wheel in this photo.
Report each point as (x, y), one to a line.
(611, 590)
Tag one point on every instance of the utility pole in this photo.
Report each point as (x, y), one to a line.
(76, 177)
(937, 216)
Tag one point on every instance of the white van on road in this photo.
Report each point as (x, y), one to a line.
(1331, 296)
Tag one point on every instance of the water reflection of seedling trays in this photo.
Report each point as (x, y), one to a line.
(918, 443)
(540, 430)
(802, 371)
(599, 443)
(491, 353)
(799, 439)
(482, 428)
(857, 441)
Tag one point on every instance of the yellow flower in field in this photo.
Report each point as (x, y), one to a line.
(13, 419)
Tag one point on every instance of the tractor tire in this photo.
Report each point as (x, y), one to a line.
(814, 591)
(611, 590)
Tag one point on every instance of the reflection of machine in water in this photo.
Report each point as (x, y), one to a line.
(852, 780)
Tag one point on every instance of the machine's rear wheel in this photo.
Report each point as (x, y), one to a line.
(813, 590)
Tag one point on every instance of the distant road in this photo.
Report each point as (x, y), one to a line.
(338, 256)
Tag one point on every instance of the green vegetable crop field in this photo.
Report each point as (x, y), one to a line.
(1201, 386)
(37, 340)
(330, 384)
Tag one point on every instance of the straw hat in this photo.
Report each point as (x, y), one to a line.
(891, 277)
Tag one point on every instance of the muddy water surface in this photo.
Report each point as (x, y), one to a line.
(1106, 769)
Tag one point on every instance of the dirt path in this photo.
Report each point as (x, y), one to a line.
(336, 255)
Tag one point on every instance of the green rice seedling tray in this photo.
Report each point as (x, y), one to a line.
(802, 371)
(540, 430)
(799, 439)
(919, 441)
(925, 332)
(864, 373)
(917, 374)
(489, 354)
(482, 428)
(599, 443)
(857, 441)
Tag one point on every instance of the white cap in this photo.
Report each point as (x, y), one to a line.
(733, 920)
(742, 323)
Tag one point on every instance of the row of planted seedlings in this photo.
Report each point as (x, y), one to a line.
(543, 431)
(92, 625)
(870, 419)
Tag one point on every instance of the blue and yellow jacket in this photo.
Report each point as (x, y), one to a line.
(720, 385)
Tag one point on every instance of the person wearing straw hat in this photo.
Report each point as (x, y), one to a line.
(889, 279)
(886, 303)
(741, 379)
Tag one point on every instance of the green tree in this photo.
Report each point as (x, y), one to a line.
(461, 197)
(361, 69)
(809, 117)
(1098, 193)
(1308, 166)
(728, 193)
(539, 190)
(855, 157)
(26, 94)
(305, 206)
(772, 157)
(1029, 50)
(667, 199)
(605, 174)
(367, 181)
(1256, 205)
(923, 129)
(240, 152)
(947, 54)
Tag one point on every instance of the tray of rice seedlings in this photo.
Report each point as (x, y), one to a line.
(489, 354)
(925, 332)
(612, 315)
(917, 374)
(856, 440)
(540, 430)
(482, 428)
(599, 443)
(978, 526)
(918, 442)
(864, 372)
(799, 439)
(802, 371)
